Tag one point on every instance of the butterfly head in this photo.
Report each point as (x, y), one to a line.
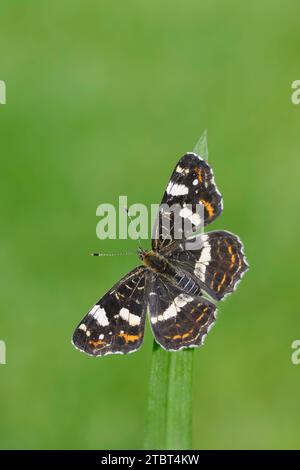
(141, 253)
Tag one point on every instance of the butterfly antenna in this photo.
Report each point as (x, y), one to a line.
(112, 254)
(120, 254)
(130, 218)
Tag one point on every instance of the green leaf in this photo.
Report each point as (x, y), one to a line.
(201, 147)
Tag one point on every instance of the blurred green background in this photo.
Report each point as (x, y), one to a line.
(102, 99)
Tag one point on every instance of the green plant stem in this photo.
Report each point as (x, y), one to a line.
(179, 406)
(169, 419)
(170, 400)
(157, 399)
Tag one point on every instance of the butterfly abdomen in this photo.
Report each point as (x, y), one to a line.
(185, 282)
(161, 265)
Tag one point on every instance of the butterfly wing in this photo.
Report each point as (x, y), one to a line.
(178, 320)
(192, 183)
(115, 325)
(218, 261)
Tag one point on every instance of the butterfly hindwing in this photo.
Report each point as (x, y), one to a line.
(116, 323)
(178, 320)
(218, 261)
(191, 184)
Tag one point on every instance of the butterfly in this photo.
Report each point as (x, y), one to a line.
(179, 286)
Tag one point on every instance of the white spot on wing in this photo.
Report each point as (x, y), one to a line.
(205, 257)
(181, 170)
(185, 213)
(132, 319)
(182, 300)
(199, 271)
(177, 189)
(179, 302)
(99, 315)
(195, 219)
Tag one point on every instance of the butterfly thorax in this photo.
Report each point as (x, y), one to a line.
(154, 261)
(160, 265)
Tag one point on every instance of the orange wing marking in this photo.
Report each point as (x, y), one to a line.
(198, 172)
(232, 260)
(208, 207)
(129, 338)
(97, 343)
(222, 282)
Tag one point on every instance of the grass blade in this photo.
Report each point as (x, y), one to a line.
(169, 420)
(201, 147)
(179, 409)
(158, 399)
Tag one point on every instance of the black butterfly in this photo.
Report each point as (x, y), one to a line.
(174, 282)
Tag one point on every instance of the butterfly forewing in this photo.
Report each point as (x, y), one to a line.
(191, 186)
(116, 323)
